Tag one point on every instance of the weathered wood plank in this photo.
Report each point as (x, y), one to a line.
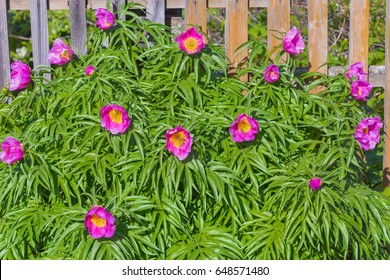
(358, 37)
(278, 21)
(155, 11)
(39, 32)
(236, 30)
(78, 26)
(386, 121)
(4, 46)
(117, 8)
(196, 14)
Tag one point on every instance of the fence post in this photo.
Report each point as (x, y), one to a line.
(386, 152)
(196, 14)
(278, 21)
(78, 26)
(4, 46)
(155, 11)
(358, 38)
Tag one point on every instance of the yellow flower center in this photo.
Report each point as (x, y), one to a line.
(191, 44)
(273, 74)
(65, 54)
(107, 23)
(365, 130)
(243, 125)
(97, 221)
(116, 116)
(178, 139)
(359, 91)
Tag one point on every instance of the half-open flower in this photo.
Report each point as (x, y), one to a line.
(244, 128)
(190, 41)
(315, 183)
(368, 132)
(271, 73)
(361, 89)
(104, 18)
(114, 118)
(60, 53)
(11, 150)
(89, 70)
(99, 222)
(178, 142)
(20, 76)
(356, 72)
(292, 42)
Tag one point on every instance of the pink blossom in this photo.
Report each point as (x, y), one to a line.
(367, 132)
(271, 73)
(20, 75)
(244, 128)
(104, 18)
(89, 70)
(60, 53)
(315, 183)
(178, 142)
(11, 150)
(292, 42)
(356, 71)
(114, 118)
(190, 41)
(99, 222)
(361, 89)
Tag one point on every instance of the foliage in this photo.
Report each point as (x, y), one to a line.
(227, 200)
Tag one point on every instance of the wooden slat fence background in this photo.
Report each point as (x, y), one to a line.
(236, 33)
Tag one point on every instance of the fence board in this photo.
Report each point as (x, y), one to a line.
(358, 37)
(39, 31)
(155, 11)
(386, 152)
(78, 26)
(278, 21)
(196, 14)
(4, 46)
(117, 8)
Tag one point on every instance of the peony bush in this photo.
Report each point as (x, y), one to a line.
(147, 148)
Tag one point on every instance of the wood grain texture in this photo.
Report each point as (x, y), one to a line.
(386, 121)
(78, 26)
(358, 37)
(196, 14)
(155, 11)
(4, 46)
(236, 30)
(278, 21)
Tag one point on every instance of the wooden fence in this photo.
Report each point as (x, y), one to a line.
(236, 33)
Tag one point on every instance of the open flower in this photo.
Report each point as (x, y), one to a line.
(271, 73)
(178, 142)
(367, 132)
(292, 42)
(104, 18)
(315, 184)
(60, 53)
(114, 118)
(99, 222)
(190, 41)
(356, 72)
(89, 70)
(361, 89)
(244, 128)
(20, 75)
(11, 150)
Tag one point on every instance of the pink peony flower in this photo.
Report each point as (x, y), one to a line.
(99, 222)
(244, 128)
(271, 73)
(190, 41)
(179, 142)
(356, 71)
(20, 75)
(292, 42)
(89, 70)
(104, 18)
(361, 89)
(114, 118)
(11, 150)
(60, 53)
(367, 132)
(315, 184)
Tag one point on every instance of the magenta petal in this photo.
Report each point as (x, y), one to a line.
(20, 76)
(292, 42)
(184, 150)
(11, 151)
(248, 134)
(113, 125)
(368, 133)
(104, 18)
(315, 183)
